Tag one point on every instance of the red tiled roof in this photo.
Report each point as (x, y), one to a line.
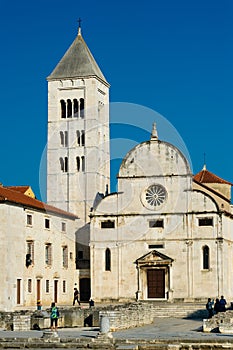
(12, 196)
(205, 176)
(21, 189)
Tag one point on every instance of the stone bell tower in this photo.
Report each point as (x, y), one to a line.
(78, 160)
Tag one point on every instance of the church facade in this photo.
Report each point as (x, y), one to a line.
(166, 234)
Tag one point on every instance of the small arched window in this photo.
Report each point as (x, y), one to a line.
(82, 107)
(78, 163)
(75, 106)
(62, 164)
(78, 138)
(66, 138)
(66, 165)
(83, 163)
(62, 138)
(69, 109)
(82, 138)
(63, 109)
(206, 258)
(107, 259)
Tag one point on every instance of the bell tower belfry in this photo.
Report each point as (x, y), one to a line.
(78, 160)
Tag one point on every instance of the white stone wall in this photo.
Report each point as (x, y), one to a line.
(181, 238)
(75, 191)
(14, 236)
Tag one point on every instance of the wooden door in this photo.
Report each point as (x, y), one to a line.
(156, 283)
(37, 290)
(18, 291)
(55, 290)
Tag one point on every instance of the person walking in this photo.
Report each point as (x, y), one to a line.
(222, 302)
(217, 306)
(76, 296)
(54, 315)
(209, 307)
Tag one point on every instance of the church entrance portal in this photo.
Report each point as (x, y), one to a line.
(155, 283)
(154, 275)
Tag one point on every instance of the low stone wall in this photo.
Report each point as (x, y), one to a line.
(221, 322)
(21, 323)
(121, 316)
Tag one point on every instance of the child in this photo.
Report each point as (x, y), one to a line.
(54, 314)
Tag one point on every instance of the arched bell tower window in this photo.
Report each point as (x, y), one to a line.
(206, 257)
(78, 163)
(62, 138)
(63, 109)
(107, 259)
(82, 107)
(83, 163)
(69, 109)
(75, 106)
(64, 164)
(61, 164)
(82, 138)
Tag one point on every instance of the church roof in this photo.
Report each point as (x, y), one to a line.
(77, 62)
(205, 176)
(23, 189)
(17, 197)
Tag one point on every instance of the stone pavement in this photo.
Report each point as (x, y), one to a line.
(162, 329)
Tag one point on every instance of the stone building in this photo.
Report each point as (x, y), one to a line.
(78, 144)
(38, 242)
(165, 234)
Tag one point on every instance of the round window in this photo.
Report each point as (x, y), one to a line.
(155, 195)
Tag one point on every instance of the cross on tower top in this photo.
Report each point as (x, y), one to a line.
(79, 25)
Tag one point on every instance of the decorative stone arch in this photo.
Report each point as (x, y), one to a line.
(154, 276)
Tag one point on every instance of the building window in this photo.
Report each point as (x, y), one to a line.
(82, 138)
(206, 258)
(107, 260)
(30, 253)
(108, 224)
(47, 223)
(78, 138)
(81, 107)
(48, 254)
(29, 219)
(205, 221)
(64, 138)
(69, 109)
(63, 109)
(47, 286)
(65, 256)
(64, 286)
(83, 163)
(62, 164)
(29, 285)
(156, 223)
(155, 246)
(78, 163)
(63, 226)
(75, 107)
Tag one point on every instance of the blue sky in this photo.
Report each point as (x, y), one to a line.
(174, 57)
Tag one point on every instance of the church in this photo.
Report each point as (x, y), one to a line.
(166, 234)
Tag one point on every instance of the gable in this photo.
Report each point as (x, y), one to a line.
(154, 258)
